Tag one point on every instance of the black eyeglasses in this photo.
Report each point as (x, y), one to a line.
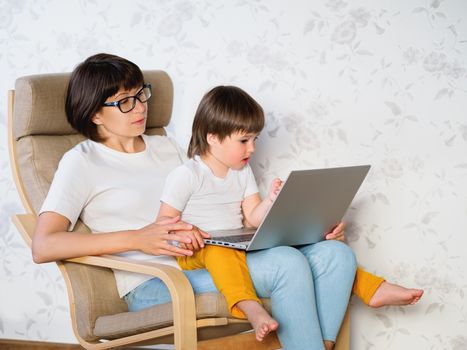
(127, 104)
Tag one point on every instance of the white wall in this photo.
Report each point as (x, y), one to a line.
(379, 82)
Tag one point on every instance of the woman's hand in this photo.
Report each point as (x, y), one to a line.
(156, 238)
(196, 237)
(337, 232)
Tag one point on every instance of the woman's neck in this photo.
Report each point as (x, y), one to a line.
(126, 145)
(217, 167)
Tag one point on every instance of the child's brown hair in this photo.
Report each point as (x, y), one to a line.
(223, 111)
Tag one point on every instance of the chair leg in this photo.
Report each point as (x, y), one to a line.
(242, 341)
(343, 338)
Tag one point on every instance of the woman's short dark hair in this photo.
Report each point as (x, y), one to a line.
(223, 111)
(92, 82)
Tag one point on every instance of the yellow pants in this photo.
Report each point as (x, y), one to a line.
(229, 271)
(365, 285)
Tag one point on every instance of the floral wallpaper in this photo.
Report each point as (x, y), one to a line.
(342, 83)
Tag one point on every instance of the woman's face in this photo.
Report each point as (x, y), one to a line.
(113, 124)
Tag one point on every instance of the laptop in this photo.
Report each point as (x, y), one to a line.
(309, 205)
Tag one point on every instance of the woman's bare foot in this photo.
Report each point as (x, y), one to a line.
(259, 318)
(392, 294)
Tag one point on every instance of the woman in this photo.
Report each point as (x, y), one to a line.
(113, 182)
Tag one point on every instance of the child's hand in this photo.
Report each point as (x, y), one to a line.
(196, 237)
(274, 189)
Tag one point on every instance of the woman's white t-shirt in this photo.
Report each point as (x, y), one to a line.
(114, 191)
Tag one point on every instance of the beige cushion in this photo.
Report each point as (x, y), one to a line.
(116, 326)
(38, 158)
(95, 293)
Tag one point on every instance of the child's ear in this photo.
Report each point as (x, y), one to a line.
(212, 139)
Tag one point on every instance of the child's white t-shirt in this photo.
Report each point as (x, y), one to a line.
(114, 191)
(205, 200)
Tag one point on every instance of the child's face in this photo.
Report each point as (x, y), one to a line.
(235, 150)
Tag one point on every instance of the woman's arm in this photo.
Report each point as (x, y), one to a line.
(51, 240)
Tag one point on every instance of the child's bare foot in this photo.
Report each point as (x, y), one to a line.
(259, 318)
(392, 294)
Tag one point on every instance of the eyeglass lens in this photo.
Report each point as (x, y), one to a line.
(127, 104)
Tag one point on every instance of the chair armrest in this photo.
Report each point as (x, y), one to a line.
(181, 292)
(25, 223)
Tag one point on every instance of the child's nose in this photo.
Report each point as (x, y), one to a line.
(251, 146)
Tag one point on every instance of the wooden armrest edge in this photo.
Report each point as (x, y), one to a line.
(25, 223)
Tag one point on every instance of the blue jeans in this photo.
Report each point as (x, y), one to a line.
(309, 289)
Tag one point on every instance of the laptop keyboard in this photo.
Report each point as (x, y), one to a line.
(235, 239)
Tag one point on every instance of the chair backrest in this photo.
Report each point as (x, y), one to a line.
(40, 135)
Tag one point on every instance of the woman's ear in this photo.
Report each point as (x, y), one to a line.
(212, 139)
(96, 119)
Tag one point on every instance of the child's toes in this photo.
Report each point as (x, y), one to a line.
(273, 326)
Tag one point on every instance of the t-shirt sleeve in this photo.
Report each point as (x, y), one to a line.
(178, 188)
(70, 188)
(251, 186)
